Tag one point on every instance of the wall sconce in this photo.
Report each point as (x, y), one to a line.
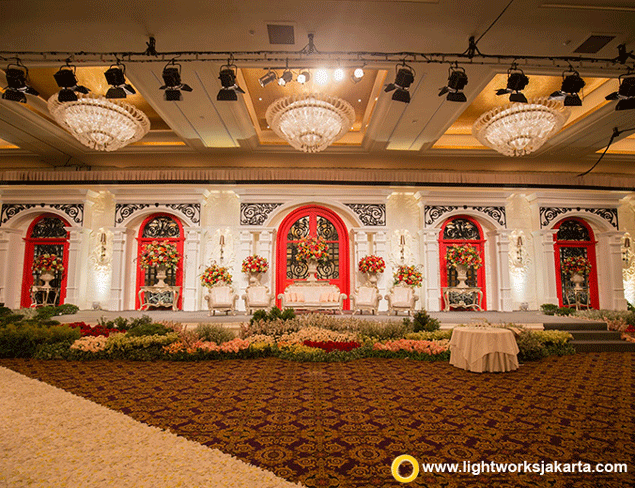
(101, 254)
(402, 245)
(627, 251)
(518, 255)
(221, 243)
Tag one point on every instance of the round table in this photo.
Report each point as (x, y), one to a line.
(483, 349)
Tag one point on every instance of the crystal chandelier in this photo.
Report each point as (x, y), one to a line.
(101, 124)
(517, 129)
(310, 122)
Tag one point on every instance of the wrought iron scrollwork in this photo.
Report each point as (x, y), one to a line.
(190, 210)
(75, 211)
(256, 213)
(124, 211)
(329, 270)
(49, 228)
(161, 226)
(461, 229)
(549, 214)
(299, 229)
(326, 230)
(432, 213)
(572, 230)
(296, 270)
(371, 214)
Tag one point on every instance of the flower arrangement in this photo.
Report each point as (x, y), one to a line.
(47, 262)
(408, 275)
(159, 254)
(312, 248)
(214, 274)
(372, 264)
(255, 264)
(463, 256)
(576, 264)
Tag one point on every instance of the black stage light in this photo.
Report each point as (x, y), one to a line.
(227, 78)
(116, 78)
(456, 82)
(17, 84)
(357, 75)
(303, 77)
(286, 77)
(625, 93)
(172, 78)
(269, 77)
(67, 81)
(569, 91)
(403, 79)
(516, 81)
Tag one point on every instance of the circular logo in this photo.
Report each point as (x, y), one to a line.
(399, 460)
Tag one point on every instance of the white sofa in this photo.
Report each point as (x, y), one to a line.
(221, 297)
(366, 297)
(257, 297)
(402, 298)
(312, 296)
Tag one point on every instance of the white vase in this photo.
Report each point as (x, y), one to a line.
(461, 275)
(372, 278)
(161, 275)
(312, 264)
(577, 279)
(47, 277)
(254, 278)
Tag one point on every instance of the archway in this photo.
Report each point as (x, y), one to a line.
(316, 221)
(456, 231)
(575, 238)
(162, 228)
(47, 234)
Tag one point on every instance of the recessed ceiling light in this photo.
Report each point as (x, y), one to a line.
(338, 74)
(321, 77)
(359, 100)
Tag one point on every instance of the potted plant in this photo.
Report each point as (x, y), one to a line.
(408, 275)
(372, 265)
(254, 266)
(312, 250)
(577, 267)
(463, 258)
(214, 274)
(161, 255)
(46, 265)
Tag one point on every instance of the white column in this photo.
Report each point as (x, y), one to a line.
(500, 272)
(246, 246)
(77, 267)
(121, 235)
(361, 248)
(431, 284)
(609, 271)
(11, 267)
(192, 261)
(264, 248)
(546, 291)
(385, 279)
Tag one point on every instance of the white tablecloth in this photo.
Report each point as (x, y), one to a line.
(482, 349)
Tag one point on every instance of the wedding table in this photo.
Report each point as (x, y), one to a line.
(483, 349)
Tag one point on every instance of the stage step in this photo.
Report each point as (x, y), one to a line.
(603, 346)
(576, 325)
(593, 337)
(596, 335)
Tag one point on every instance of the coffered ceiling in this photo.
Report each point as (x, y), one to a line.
(428, 133)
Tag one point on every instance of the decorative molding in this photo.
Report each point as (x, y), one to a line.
(191, 211)
(256, 213)
(432, 213)
(549, 214)
(370, 214)
(75, 211)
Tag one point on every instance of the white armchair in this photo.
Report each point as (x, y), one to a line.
(366, 297)
(402, 298)
(221, 297)
(257, 297)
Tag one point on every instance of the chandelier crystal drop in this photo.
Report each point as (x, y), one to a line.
(310, 122)
(99, 123)
(517, 129)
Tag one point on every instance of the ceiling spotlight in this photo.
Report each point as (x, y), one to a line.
(286, 77)
(230, 89)
(568, 93)
(67, 81)
(303, 77)
(403, 79)
(115, 76)
(357, 75)
(456, 82)
(172, 82)
(516, 82)
(338, 74)
(17, 84)
(625, 93)
(321, 77)
(270, 77)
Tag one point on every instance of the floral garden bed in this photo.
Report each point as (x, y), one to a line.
(311, 337)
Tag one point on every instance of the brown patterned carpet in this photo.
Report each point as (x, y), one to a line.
(342, 424)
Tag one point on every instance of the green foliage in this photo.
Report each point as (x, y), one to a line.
(4, 311)
(630, 307)
(536, 344)
(437, 335)
(214, 333)
(10, 319)
(423, 322)
(384, 331)
(21, 340)
(150, 329)
(565, 311)
(287, 314)
(274, 314)
(548, 308)
(123, 323)
(530, 347)
(67, 309)
(56, 350)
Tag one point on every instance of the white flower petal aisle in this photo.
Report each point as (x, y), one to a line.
(52, 438)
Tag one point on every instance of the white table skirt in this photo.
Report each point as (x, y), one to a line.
(483, 349)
